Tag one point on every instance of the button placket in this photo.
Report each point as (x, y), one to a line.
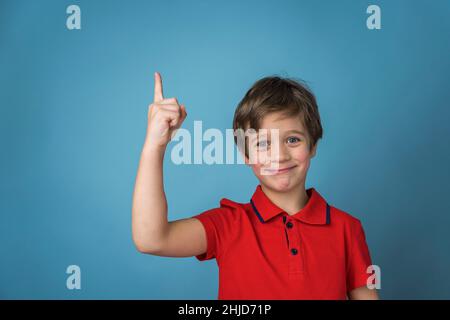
(295, 257)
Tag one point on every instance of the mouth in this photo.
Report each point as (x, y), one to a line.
(280, 170)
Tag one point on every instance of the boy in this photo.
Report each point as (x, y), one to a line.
(287, 242)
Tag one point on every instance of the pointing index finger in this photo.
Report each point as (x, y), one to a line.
(158, 96)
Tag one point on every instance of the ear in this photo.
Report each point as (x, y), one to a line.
(247, 160)
(242, 153)
(313, 151)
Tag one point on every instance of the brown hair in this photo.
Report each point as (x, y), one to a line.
(290, 96)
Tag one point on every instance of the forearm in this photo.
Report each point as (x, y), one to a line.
(363, 293)
(149, 210)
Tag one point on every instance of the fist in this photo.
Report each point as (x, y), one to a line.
(165, 116)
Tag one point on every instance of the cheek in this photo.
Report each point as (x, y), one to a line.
(302, 158)
(257, 169)
(260, 172)
(300, 155)
(259, 158)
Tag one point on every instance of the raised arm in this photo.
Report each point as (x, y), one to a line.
(152, 232)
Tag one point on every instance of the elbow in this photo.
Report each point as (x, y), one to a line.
(140, 247)
(147, 240)
(146, 247)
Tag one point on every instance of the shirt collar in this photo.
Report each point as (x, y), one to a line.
(316, 210)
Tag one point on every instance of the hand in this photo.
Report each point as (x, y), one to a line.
(165, 116)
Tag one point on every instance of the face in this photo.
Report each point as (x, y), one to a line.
(279, 152)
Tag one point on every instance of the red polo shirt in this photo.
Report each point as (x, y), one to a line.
(264, 253)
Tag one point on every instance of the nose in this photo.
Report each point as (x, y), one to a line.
(279, 153)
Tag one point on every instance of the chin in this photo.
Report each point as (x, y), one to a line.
(280, 185)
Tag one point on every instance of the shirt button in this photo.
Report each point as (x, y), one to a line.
(289, 225)
(294, 251)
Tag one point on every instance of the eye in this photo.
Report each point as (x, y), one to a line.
(262, 143)
(293, 139)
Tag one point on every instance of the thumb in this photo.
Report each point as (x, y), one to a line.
(183, 112)
(183, 116)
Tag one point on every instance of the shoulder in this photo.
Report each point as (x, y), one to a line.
(227, 210)
(232, 209)
(345, 220)
(231, 205)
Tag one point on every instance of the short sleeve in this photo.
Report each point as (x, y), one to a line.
(358, 260)
(219, 224)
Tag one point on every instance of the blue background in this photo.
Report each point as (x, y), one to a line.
(73, 120)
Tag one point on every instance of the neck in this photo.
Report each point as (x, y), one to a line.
(291, 201)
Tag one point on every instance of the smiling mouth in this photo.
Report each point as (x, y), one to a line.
(282, 170)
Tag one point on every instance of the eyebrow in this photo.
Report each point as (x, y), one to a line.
(296, 131)
(256, 137)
